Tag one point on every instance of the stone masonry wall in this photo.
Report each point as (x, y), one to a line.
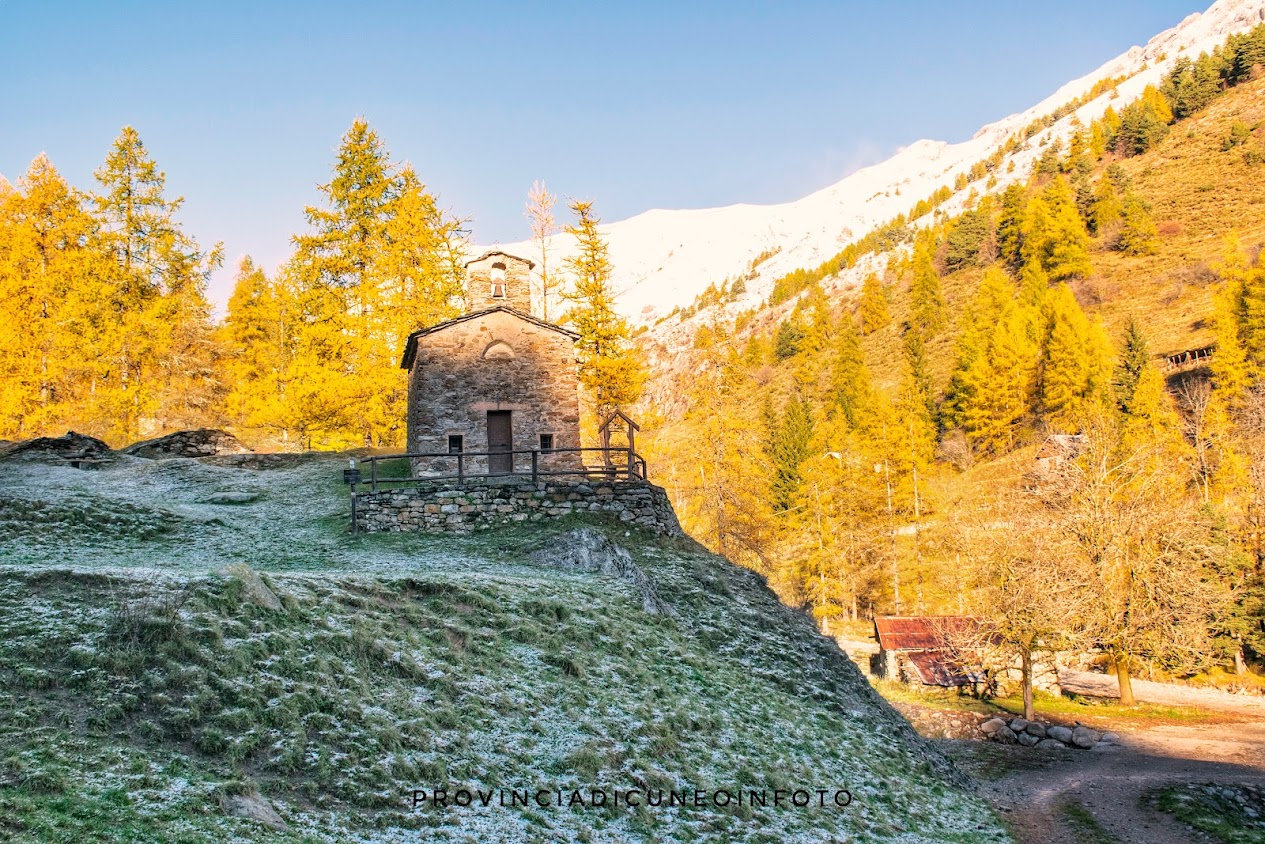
(517, 283)
(495, 361)
(450, 507)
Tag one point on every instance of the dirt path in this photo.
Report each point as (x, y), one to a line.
(1109, 783)
(1105, 685)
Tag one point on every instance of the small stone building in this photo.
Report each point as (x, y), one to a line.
(930, 652)
(921, 651)
(1056, 450)
(496, 380)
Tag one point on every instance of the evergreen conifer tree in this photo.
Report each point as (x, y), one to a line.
(1010, 223)
(789, 337)
(1143, 123)
(59, 329)
(927, 302)
(965, 238)
(874, 313)
(1064, 248)
(256, 336)
(921, 386)
(611, 371)
(788, 436)
(1237, 306)
(160, 373)
(1134, 360)
(1075, 369)
(1106, 212)
(1138, 232)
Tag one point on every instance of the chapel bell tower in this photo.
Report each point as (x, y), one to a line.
(497, 279)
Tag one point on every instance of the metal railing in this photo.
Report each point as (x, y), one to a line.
(617, 464)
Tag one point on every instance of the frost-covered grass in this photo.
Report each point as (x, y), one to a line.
(141, 682)
(1085, 826)
(1231, 814)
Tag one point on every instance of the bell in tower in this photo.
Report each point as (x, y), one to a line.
(497, 279)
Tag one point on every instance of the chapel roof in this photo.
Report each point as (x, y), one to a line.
(491, 252)
(410, 346)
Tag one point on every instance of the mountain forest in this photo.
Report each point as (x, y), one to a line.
(988, 424)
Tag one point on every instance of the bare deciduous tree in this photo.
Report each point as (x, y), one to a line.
(1144, 552)
(540, 203)
(1194, 398)
(1030, 591)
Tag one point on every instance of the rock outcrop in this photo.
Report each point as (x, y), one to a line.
(255, 808)
(586, 549)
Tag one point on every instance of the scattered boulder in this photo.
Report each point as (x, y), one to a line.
(257, 592)
(587, 549)
(991, 726)
(1084, 737)
(254, 808)
(1050, 744)
(1109, 738)
(1028, 739)
(1035, 729)
(1005, 735)
(1019, 724)
(1059, 733)
(231, 498)
(204, 442)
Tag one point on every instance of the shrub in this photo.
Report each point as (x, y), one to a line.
(1240, 134)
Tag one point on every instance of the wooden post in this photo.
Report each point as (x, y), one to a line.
(373, 473)
(535, 457)
(461, 466)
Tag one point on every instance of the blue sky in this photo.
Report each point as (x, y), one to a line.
(635, 105)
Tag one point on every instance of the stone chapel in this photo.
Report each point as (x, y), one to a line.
(495, 383)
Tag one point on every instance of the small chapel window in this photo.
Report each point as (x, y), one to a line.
(498, 281)
(456, 443)
(546, 442)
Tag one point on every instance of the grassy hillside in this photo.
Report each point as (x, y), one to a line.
(787, 493)
(1200, 193)
(145, 681)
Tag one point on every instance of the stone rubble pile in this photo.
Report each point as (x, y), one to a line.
(203, 442)
(71, 447)
(1045, 736)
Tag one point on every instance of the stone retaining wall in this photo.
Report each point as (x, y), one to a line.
(453, 507)
(942, 723)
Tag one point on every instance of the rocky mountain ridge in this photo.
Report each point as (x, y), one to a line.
(664, 258)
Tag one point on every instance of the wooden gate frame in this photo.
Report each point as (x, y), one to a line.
(605, 432)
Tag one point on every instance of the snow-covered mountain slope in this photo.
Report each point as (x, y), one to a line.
(664, 259)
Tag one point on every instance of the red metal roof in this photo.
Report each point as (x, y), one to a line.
(936, 668)
(919, 633)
